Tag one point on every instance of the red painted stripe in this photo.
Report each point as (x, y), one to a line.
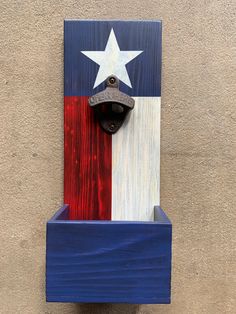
(87, 162)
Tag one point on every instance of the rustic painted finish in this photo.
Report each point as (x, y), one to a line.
(101, 261)
(127, 259)
(114, 177)
(135, 163)
(87, 161)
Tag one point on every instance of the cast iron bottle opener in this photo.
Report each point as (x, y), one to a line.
(111, 105)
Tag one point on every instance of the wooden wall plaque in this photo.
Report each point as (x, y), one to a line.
(111, 242)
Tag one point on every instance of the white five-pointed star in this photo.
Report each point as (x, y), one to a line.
(112, 61)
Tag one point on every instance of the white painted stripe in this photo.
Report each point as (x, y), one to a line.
(136, 162)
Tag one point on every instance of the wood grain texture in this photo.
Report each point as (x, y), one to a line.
(144, 71)
(87, 162)
(126, 185)
(99, 261)
(136, 162)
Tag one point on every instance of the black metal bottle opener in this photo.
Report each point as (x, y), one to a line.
(111, 105)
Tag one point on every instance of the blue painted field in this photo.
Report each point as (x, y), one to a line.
(108, 261)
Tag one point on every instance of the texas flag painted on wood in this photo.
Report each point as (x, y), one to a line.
(112, 177)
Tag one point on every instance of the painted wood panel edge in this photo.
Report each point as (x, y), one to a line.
(62, 216)
(160, 216)
(74, 299)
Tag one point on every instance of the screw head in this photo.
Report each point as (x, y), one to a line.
(112, 126)
(112, 80)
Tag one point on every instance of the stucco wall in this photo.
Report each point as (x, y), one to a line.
(198, 147)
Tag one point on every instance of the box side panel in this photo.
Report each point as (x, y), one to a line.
(61, 214)
(123, 263)
(160, 216)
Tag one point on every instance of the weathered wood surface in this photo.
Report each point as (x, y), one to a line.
(87, 159)
(99, 261)
(112, 177)
(136, 163)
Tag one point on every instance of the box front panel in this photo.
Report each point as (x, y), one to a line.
(126, 263)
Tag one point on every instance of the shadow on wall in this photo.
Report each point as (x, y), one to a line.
(98, 308)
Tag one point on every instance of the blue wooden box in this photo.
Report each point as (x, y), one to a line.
(108, 261)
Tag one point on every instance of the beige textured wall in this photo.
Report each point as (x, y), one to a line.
(198, 166)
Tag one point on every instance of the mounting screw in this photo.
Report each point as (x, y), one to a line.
(112, 126)
(112, 80)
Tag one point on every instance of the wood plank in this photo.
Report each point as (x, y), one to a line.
(126, 186)
(87, 162)
(136, 163)
(117, 262)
